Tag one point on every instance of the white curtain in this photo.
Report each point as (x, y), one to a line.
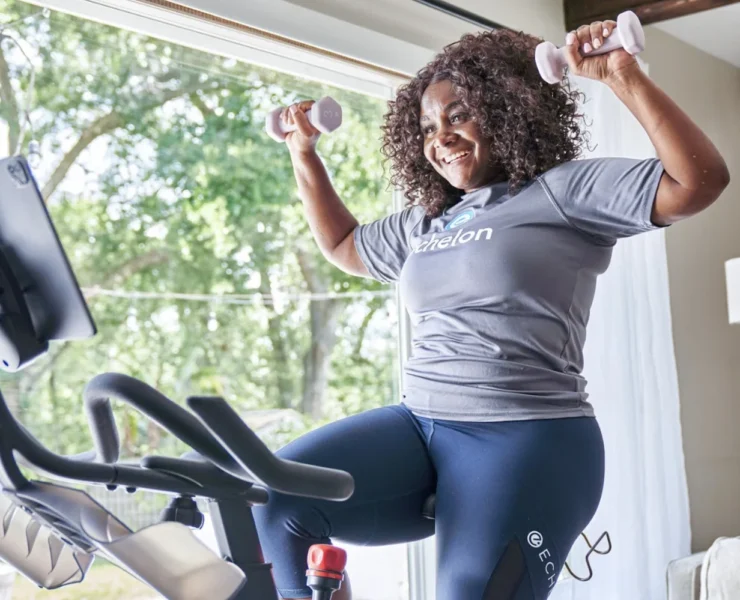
(630, 366)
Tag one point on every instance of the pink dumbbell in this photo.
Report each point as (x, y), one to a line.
(325, 115)
(628, 35)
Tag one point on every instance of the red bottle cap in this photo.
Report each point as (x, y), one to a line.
(324, 557)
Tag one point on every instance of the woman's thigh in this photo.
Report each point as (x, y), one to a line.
(511, 500)
(385, 454)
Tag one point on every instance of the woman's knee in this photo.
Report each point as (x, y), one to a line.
(285, 515)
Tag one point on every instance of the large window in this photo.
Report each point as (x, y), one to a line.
(181, 219)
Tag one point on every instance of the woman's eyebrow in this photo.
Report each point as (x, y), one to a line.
(448, 108)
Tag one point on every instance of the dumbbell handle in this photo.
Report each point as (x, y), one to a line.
(610, 43)
(628, 34)
(325, 115)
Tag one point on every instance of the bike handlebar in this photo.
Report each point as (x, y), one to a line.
(155, 405)
(217, 433)
(260, 463)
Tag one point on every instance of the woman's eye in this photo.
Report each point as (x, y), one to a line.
(458, 117)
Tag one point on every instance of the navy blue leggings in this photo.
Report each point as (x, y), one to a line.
(512, 498)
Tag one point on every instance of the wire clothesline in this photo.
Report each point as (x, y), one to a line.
(91, 292)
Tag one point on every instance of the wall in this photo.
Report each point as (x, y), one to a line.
(707, 347)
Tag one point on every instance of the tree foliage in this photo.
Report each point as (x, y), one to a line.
(181, 219)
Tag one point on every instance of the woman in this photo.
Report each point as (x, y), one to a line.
(497, 257)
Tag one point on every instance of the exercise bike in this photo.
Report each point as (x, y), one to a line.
(51, 533)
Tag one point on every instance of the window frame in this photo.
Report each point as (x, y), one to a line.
(250, 40)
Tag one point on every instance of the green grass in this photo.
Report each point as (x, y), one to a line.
(103, 582)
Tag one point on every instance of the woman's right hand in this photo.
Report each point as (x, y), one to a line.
(304, 138)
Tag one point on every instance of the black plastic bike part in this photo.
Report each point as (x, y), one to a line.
(160, 409)
(205, 474)
(14, 438)
(225, 440)
(323, 587)
(238, 541)
(184, 509)
(262, 466)
(40, 294)
(18, 343)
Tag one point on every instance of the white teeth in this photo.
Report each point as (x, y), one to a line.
(454, 157)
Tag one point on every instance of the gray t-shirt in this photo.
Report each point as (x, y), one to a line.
(499, 287)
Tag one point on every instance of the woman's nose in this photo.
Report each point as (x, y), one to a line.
(445, 135)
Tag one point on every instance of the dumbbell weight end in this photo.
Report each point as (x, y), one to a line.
(325, 115)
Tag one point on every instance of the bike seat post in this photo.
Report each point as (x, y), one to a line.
(325, 573)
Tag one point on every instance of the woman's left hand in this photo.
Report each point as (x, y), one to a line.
(581, 44)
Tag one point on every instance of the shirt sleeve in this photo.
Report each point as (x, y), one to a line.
(607, 198)
(383, 245)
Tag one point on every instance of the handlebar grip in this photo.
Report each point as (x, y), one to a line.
(260, 463)
(102, 427)
(155, 405)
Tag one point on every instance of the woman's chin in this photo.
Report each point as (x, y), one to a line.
(464, 181)
(464, 184)
(461, 183)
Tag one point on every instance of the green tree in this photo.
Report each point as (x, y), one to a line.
(165, 189)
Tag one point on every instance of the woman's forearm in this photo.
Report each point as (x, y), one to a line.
(329, 219)
(689, 157)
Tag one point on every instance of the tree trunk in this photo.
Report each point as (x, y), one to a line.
(283, 379)
(317, 360)
(375, 305)
(12, 393)
(7, 96)
(324, 316)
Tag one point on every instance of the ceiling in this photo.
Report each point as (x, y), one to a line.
(715, 31)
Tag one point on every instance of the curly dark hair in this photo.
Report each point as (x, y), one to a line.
(532, 126)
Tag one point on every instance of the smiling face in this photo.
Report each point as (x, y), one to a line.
(452, 141)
